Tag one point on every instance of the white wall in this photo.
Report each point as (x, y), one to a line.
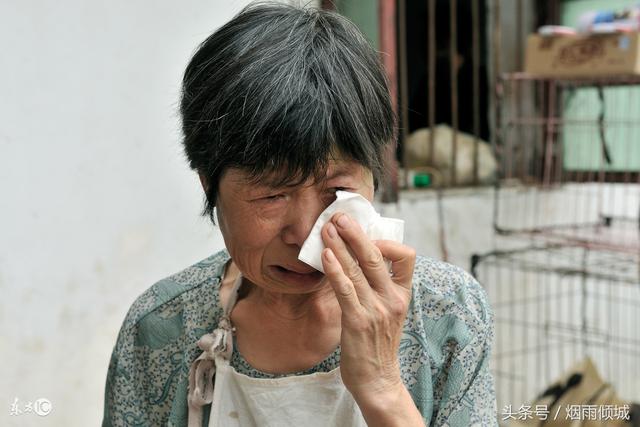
(96, 201)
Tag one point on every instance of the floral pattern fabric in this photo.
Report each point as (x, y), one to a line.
(444, 351)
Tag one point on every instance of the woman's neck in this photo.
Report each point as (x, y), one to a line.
(318, 308)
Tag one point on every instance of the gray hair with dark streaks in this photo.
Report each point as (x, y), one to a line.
(280, 90)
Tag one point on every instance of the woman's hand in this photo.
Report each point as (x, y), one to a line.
(374, 305)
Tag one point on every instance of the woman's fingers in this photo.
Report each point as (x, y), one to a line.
(365, 263)
(348, 263)
(370, 259)
(341, 284)
(403, 259)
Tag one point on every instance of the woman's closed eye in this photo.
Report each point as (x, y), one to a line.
(330, 193)
(273, 198)
(334, 189)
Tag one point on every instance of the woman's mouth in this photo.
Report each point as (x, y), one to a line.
(299, 275)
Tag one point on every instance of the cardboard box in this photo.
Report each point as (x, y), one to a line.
(583, 55)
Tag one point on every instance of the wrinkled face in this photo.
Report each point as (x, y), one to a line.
(264, 227)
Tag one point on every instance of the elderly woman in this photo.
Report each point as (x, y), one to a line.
(281, 108)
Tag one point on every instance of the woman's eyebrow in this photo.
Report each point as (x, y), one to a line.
(274, 183)
(339, 172)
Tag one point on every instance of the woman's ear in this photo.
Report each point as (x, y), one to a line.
(203, 181)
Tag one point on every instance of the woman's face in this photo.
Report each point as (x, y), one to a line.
(264, 227)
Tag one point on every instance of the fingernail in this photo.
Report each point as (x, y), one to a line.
(328, 254)
(343, 221)
(331, 230)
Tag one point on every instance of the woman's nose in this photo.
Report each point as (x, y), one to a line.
(300, 218)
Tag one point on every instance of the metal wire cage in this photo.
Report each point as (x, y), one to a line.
(566, 282)
(556, 304)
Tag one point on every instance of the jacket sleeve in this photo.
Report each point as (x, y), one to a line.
(148, 375)
(124, 396)
(466, 391)
(148, 370)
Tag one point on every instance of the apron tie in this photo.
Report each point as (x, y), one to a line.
(202, 370)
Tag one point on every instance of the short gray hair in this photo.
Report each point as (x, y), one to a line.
(277, 91)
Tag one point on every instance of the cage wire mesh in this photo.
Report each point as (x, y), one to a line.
(566, 282)
(555, 305)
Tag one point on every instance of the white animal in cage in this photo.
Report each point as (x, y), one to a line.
(417, 155)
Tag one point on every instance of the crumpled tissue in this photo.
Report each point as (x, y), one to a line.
(360, 210)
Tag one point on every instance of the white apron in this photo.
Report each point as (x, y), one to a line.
(315, 400)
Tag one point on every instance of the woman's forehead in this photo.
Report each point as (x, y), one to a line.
(336, 168)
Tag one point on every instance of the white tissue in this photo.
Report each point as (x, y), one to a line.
(361, 211)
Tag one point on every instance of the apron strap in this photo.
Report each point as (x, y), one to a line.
(203, 369)
(233, 298)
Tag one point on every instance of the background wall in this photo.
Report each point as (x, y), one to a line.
(97, 202)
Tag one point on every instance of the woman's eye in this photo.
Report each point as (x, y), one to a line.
(273, 198)
(334, 189)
